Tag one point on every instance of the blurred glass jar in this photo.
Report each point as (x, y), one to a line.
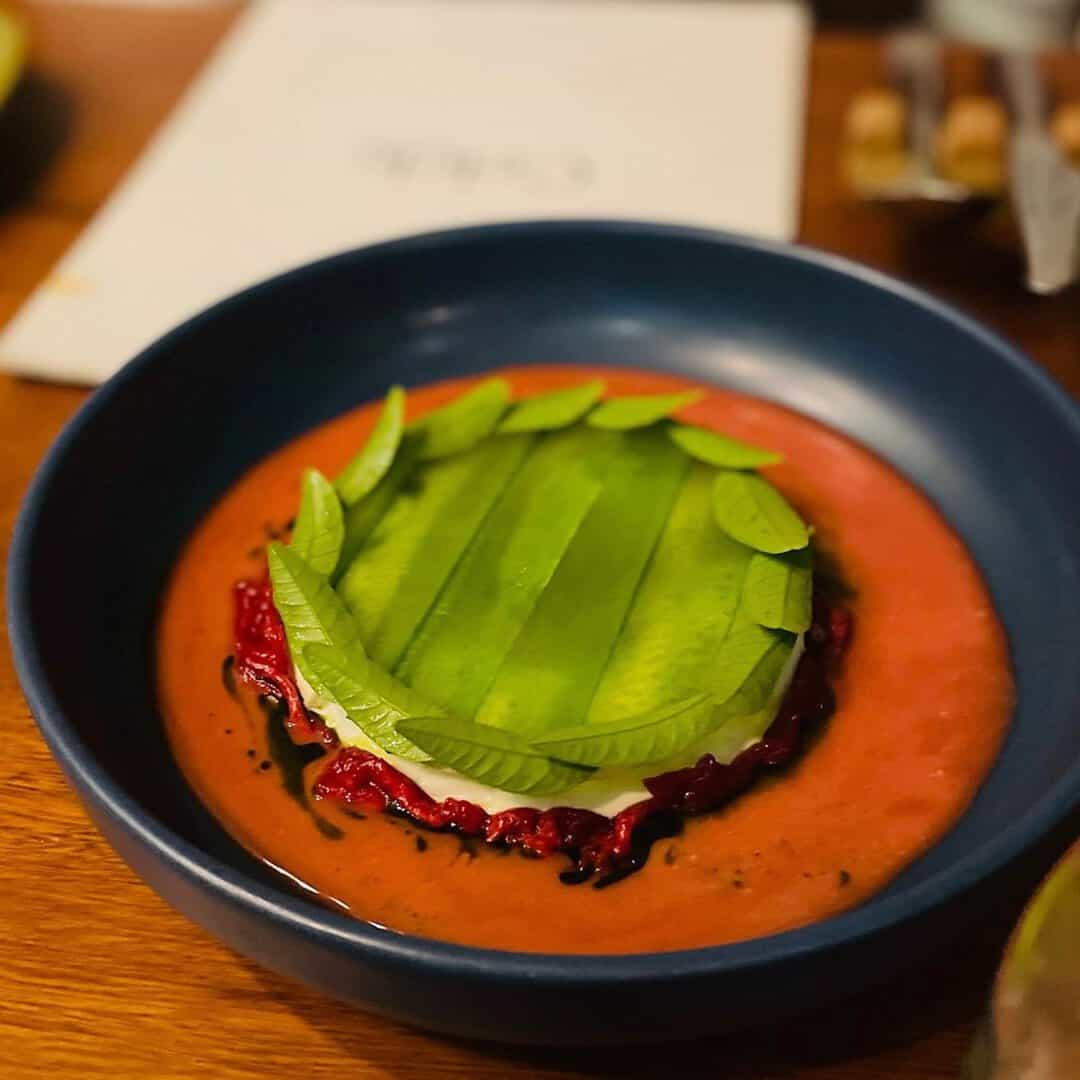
(1006, 24)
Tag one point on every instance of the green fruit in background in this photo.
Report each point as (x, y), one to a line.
(12, 51)
(1036, 1006)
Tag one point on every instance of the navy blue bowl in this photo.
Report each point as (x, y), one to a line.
(991, 439)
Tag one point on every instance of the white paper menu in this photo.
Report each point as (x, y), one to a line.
(320, 125)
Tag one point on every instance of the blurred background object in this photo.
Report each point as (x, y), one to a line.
(972, 143)
(1066, 128)
(1006, 24)
(1045, 188)
(1035, 1031)
(876, 132)
(966, 112)
(865, 14)
(317, 127)
(12, 51)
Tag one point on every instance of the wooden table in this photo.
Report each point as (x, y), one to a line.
(98, 978)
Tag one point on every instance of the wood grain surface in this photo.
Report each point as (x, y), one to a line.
(98, 977)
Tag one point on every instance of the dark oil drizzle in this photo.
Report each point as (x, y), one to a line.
(277, 532)
(291, 760)
(578, 875)
(228, 676)
(327, 828)
(656, 827)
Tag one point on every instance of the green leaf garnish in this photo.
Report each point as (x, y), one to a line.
(464, 422)
(655, 736)
(320, 525)
(556, 409)
(749, 666)
(750, 510)
(406, 559)
(372, 698)
(778, 590)
(758, 687)
(720, 450)
(309, 608)
(549, 676)
(375, 458)
(682, 610)
(639, 410)
(492, 591)
(491, 756)
(365, 514)
(569, 574)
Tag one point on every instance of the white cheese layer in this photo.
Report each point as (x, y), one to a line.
(607, 792)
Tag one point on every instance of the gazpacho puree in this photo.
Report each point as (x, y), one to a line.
(922, 705)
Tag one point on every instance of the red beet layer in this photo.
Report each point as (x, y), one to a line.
(262, 660)
(609, 847)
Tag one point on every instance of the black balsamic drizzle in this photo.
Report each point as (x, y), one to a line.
(228, 676)
(661, 826)
(291, 761)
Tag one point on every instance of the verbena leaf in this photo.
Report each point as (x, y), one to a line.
(655, 736)
(365, 514)
(778, 590)
(752, 511)
(371, 697)
(309, 608)
(758, 687)
(405, 560)
(320, 526)
(639, 410)
(375, 458)
(491, 756)
(556, 409)
(668, 645)
(464, 422)
(748, 666)
(720, 450)
(549, 676)
(464, 638)
(735, 731)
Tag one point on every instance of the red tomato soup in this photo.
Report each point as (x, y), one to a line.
(922, 704)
